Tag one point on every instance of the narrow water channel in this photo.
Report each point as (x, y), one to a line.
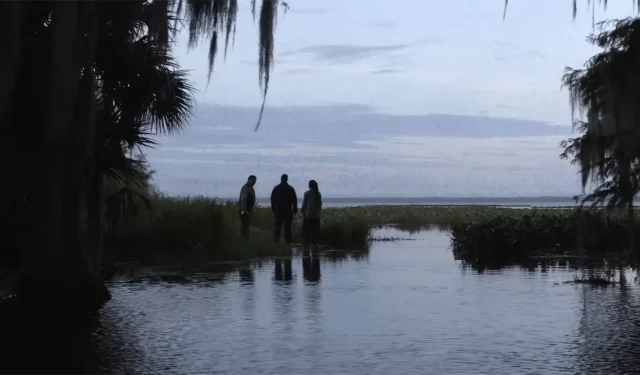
(405, 307)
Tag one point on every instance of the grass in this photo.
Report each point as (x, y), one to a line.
(196, 230)
(509, 238)
(187, 230)
(416, 218)
(605, 275)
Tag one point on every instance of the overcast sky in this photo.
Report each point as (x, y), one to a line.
(407, 98)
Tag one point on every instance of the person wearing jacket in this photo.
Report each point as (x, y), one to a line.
(245, 205)
(311, 208)
(284, 204)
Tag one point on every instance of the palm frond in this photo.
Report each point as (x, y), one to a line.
(128, 189)
(126, 171)
(126, 202)
(172, 101)
(164, 94)
(160, 20)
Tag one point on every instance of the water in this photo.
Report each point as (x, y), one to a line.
(406, 308)
(504, 202)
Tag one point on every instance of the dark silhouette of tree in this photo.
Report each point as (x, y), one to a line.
(93, 80)
(605, 98)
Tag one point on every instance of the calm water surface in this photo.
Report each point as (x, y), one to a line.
(407, 308)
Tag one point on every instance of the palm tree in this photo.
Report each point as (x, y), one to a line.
(52, 99)
(94, 80)
(141, 92)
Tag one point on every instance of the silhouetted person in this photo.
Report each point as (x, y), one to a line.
(284, 204)
(245, 205)
(311, 208)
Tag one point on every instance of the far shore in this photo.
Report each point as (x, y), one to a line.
(542, 201)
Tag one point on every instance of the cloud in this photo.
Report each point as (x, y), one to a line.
(286, 150)
(386, 71)
(355, 151)
(509, 51)
(303, 70)
(384, 24)
(505, 106)
(343, 53)
(391, 166)
(297, 10)
(339, 124)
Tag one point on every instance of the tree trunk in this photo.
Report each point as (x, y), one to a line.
(12, 201)
(95, 220)
(59, 273)
(11, 31)
(85, 129)
(59, 225)
(631, 226)
(57, 290)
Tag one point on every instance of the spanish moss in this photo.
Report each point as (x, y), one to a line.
(210, 19)
(268, 15)
(591, 3)
(604, 104)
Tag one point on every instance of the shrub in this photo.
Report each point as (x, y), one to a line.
(520, 234)
(196, 229)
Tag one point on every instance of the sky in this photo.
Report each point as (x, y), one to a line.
(381, 98)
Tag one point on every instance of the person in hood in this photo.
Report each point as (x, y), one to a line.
(311, 208)
(284, 204)
(245, 205)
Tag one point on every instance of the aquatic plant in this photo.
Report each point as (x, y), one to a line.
(602, 276)
(510, 238)
(187, 230)
(200, 228)
(350, 233)
(412, 217)
(193, 229)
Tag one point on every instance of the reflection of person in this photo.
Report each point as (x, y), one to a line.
(288, 270)
(311, 208)
(311, 268)
(284, 204)
(245, 205)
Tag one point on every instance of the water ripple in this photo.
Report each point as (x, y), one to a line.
(408, 309)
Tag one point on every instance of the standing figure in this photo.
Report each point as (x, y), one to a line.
(245, 205)
(311, 208)
(284, 204)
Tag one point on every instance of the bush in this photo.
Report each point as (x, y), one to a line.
(183, 230)
(188, 230)
(350, 233)
(511, 238)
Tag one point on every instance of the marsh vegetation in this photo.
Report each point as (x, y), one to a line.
(186, 230)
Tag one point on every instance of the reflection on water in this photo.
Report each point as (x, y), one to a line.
(311, 268)
(246, 276)
(278, 273)
(609, 329)
(403, 308)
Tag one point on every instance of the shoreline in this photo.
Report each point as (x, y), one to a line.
(197, 229)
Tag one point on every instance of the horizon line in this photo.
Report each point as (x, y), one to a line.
(533, 197)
